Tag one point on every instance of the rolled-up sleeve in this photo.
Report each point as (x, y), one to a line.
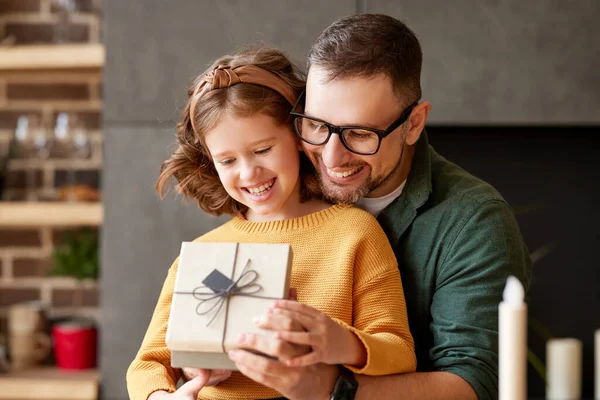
(487, 248)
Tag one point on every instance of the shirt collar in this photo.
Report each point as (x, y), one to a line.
(397, 216)
(418, 185)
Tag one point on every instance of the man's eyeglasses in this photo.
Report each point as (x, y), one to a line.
(358, 140)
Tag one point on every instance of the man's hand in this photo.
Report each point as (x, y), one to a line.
(313, 382)
(213, 376)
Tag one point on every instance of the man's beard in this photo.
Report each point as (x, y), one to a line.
(339, 193)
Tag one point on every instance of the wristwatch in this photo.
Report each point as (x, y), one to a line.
(345, 386)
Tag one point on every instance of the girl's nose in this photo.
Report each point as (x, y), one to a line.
(249, 171)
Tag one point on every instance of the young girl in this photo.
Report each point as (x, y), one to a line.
(237, 154)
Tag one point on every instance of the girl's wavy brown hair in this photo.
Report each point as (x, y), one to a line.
(191, 164)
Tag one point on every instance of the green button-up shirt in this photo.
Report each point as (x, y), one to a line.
(456, 240)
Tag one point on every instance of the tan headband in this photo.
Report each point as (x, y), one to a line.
(224, 76)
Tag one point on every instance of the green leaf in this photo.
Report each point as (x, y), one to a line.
(537, 364)
(539, 254)
(536, 326)
(76, 255)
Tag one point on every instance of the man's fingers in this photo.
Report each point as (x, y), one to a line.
(269, 345)
(301, 338)
(193, 387)
(303, 361)
(260, 369)
(258, 376)
(307, 322)
(278, 322)
(257, 362)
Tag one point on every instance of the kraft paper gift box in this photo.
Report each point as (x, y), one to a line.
(205, 321)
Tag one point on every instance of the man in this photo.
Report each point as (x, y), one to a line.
(455, 237)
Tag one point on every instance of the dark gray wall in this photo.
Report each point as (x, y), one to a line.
(506, 61)
(485, 62)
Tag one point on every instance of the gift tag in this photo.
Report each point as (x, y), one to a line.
(217, 281)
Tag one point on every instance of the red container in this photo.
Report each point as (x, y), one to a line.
(75, 346)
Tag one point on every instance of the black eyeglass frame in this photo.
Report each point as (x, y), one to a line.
(381, 134)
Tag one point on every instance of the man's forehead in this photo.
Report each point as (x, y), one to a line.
(368, 101)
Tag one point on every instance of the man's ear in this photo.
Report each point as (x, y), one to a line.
(416, 122)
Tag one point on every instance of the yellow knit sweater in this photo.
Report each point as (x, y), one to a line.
(343, 265)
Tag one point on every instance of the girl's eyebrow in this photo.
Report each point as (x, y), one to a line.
(263, 140)
(258, 142)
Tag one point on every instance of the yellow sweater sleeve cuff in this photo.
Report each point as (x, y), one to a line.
(143, 388)
(384, 356)
(354, 368)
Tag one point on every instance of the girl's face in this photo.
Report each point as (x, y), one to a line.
(258, 164)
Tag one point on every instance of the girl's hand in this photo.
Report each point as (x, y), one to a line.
(331, 343)
(188, 391)
(215, 376)
(267, 343)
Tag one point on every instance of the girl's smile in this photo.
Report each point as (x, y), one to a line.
(261, 192)
(258, 163)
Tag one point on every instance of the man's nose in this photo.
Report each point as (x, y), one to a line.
(334, 152)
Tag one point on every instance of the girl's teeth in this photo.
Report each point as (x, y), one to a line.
(261, 188)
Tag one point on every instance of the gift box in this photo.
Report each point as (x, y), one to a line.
(219, 289)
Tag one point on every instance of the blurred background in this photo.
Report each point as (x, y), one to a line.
(91, 90)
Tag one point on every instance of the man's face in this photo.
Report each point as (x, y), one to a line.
(355, 101)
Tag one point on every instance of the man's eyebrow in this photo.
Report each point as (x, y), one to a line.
(356, 125)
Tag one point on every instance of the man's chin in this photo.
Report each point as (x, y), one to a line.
(337, 193)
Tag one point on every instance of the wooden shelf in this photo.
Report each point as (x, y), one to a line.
(24, 214)
(48, 57)
(50, 383)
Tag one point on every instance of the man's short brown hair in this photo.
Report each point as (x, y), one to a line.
(370, 44)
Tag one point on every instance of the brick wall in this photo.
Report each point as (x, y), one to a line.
(25, 254)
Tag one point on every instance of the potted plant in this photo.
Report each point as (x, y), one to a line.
(75, 339)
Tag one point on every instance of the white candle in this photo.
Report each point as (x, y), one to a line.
(563, 369)
(512, 344)
(597, 363)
